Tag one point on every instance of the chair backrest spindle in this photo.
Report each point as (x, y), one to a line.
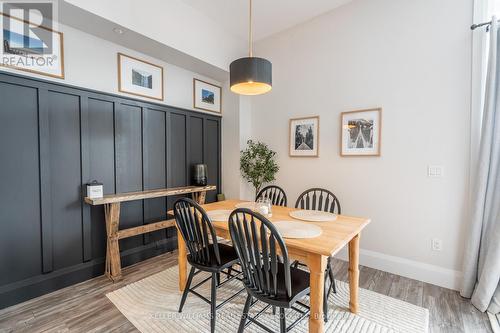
(274, 193)
(260, 248)
(318, 199)
(197, 231)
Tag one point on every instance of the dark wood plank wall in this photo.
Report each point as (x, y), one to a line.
(55, 138)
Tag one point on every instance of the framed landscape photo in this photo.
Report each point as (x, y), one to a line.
(40, 54)
(206, 96)
(304, 137)
(361, 132)
(140, 78)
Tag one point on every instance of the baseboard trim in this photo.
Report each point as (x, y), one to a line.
(416, 270)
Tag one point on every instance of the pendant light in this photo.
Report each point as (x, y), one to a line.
(251, 75)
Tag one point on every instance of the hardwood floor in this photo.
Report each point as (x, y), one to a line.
(85, 308)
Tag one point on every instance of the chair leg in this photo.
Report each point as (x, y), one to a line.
(186, 289)
(213, 302)
(333, 286)
(282, 321)
(326, 293)
(229, 271)
(332, 280)
(244, 316)
(218, 278)
(274, 310)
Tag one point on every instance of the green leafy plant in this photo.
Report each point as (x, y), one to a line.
(258, 165)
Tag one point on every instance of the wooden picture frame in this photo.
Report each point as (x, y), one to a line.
(139, 77)
(303, 134)
(58, 57)
(361, 132)
(212, 102)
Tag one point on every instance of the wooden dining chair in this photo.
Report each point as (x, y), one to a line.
(268, 277)
(205, 253)
(274, 193)
(322, 200)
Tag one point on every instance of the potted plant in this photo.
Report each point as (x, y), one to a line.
(258, 165)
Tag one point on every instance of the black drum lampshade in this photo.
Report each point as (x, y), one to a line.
(251, 76)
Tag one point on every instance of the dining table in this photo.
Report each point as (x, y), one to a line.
(313, 252)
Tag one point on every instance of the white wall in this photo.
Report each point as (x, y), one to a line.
(230, 145)
(236, 130)
(91, 62)
(413, 59)
(247, 191)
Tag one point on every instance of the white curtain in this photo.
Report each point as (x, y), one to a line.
(481, 281)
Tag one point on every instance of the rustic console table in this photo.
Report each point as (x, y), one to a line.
(111, 204)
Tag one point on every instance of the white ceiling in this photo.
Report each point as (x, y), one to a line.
(269, 16)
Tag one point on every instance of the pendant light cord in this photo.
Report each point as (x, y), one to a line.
(250, 41)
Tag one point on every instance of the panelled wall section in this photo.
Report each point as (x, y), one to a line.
(54, 139)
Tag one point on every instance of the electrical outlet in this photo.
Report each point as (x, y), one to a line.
(436, 244)
(435, 171)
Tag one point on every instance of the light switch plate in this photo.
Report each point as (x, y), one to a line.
(436, 244)
(435, 171)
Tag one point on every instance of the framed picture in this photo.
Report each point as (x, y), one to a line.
(206, 96)
(304, 137)
(139, 77)
(27, 52)
(361, 131)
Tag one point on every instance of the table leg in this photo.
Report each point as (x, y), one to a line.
(317, 266)
(199, 197)
(182, 259)
(113, 269)
(354, 273)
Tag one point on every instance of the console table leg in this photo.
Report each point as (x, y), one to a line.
(199, 197)
(113, 269)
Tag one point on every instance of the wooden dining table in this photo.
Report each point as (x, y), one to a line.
(314, 252)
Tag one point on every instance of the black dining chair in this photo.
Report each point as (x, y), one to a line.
(274, 193)
(267, 274)
(205, 253)
(318, 199)
(326, 201)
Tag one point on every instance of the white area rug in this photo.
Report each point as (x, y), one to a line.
(152, 303)
(495, 322)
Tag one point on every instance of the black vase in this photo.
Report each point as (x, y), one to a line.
(199, 175)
